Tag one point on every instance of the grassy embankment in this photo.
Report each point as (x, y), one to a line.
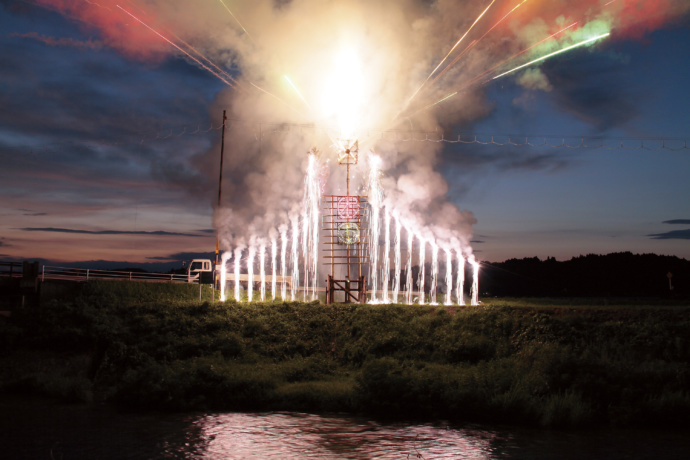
(156, 346)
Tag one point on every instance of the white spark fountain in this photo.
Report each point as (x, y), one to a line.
(375, 196)
(283, 263)
(386, 255)
(295, 257)
(250, 273)
(262, 271)
(305, 251)
(312, 199)
(396, 285)
(475, 281)
(238, 255)
(274, 253)
(224, 274)
(460, 289)
(422, 270)
(449, 276)
(434, 274)
(408, 279)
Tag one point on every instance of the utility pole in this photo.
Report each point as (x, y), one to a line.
(220, 184)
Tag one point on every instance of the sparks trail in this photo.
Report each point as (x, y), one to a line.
(576, 45)
(210, 62)
(277, 98)
(294, 87)
(216, 74)
(450, 52)
(487, 72)
(483, 74)
(236, 20)
(474, 42)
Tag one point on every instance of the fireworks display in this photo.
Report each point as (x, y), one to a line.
(356, 68)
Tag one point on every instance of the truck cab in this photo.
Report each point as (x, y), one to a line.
(196, 268)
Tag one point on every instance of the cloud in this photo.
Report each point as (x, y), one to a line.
(508, 159)
(29, 212)
(68, 42)
(107, 232)
(105, 100)
(586, 85)
(185, 256)
(677, 221)
(672, 235)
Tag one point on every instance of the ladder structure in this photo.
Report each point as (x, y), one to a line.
(345, 226)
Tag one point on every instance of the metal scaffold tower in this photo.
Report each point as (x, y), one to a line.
(345, 227)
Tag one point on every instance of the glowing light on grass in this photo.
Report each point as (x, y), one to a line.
(568, 48)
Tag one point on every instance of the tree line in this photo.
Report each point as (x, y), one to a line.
(621, 274)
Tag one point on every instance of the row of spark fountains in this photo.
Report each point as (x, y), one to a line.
(294, 256)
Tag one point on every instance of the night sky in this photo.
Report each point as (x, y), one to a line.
(110, 136)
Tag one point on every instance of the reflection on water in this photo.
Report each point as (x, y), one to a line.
(36, 429)
(294, 435)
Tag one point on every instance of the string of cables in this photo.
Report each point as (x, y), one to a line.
(500, 140)
(581, 142)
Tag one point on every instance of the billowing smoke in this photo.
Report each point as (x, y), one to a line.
(304, 73)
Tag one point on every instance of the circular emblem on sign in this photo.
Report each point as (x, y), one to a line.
(348, 207)
(348, 233)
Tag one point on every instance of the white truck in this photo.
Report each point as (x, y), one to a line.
(198, 266)
(204, 268)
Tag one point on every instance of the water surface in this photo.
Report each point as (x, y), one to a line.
(38, 429)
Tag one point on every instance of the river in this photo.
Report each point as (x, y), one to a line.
(33, 428)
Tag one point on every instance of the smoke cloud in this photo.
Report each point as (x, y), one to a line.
(305, 73)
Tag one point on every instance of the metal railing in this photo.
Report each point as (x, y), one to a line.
(85, 274)
(11, 269)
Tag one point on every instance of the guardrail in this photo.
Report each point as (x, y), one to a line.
(84, 274)
(11, 269)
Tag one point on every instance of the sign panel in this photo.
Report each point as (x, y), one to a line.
(348, 207)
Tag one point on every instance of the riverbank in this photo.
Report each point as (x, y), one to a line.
(538, 363)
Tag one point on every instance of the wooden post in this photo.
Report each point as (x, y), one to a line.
(220, 184)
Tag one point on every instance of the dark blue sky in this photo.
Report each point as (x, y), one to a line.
(111, 156)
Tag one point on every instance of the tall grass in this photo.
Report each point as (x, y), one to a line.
(157, 346)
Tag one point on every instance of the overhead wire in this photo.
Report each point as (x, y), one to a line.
(499, 140)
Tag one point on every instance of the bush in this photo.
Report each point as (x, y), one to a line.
(543, 364)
